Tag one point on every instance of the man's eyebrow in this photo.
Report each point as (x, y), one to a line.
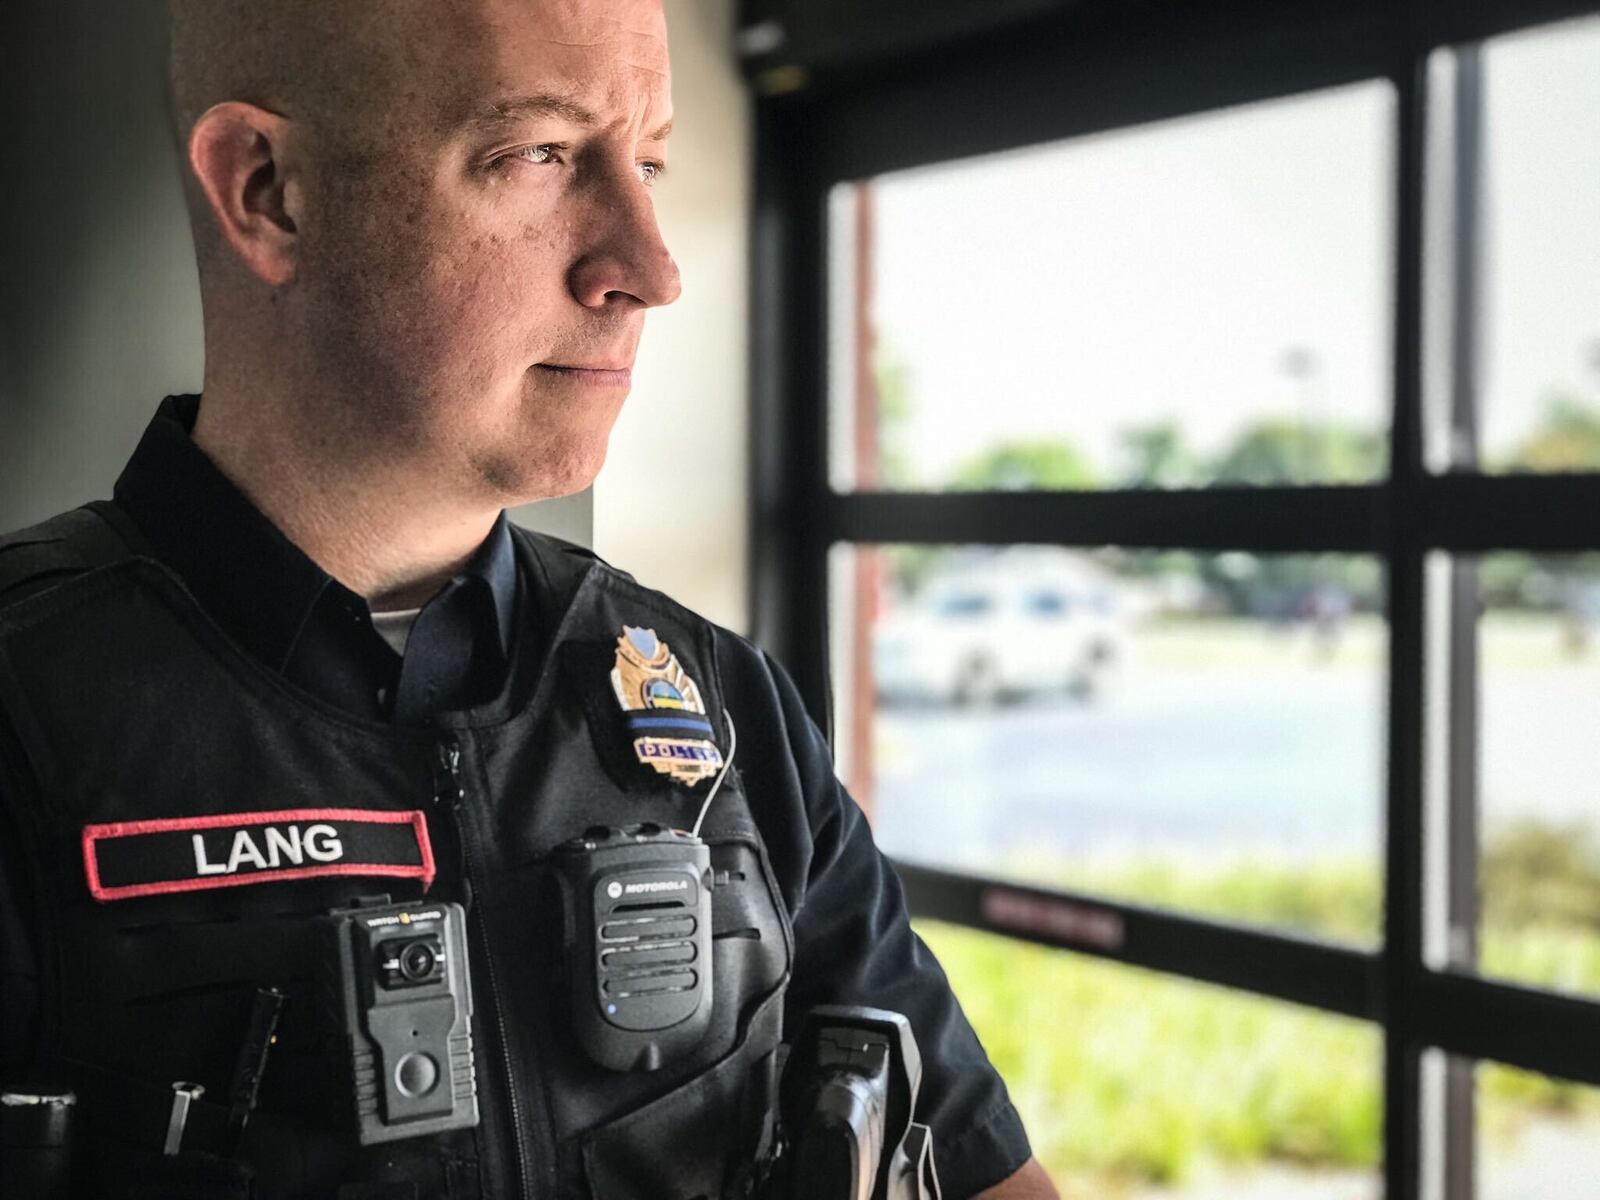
(542, 104)
(534, 104)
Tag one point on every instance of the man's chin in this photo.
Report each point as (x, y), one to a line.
(544, 473)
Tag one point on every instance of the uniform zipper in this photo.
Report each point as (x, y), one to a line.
(452, 792)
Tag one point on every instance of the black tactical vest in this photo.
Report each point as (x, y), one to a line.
(123, 707)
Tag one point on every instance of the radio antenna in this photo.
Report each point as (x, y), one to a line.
(733, 748)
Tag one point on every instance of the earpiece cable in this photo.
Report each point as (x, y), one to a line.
(733, 748)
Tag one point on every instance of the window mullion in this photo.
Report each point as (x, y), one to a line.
(1403, 942)
(1463, 841)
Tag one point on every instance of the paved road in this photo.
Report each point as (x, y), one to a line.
(1159, 765)
(1285, 762)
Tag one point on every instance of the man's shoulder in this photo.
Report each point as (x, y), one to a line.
(44, 555)
(549, 543)
(738, 658)
(571, 558)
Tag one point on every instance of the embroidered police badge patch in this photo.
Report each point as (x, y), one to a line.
(663, 709)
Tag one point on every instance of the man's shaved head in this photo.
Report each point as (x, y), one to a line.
(285, 55)
(337, 68)
(424, 227)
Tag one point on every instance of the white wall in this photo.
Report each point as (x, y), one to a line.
(670, 505)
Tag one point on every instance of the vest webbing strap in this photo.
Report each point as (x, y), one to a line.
(178, 958)
(71, 544)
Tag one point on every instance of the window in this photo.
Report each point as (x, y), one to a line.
(1200, 301)
(1522, 197)
(1530, 1135)
(1208, 739)
(1514, 795)
(1248, 641)
(962, 605)
(1053, 605)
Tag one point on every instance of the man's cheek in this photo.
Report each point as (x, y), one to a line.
(492, 319)
(452, 309)
(510, 304)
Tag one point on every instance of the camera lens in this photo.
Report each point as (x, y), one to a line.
(417, 962)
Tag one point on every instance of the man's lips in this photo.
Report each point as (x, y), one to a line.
(599, 376)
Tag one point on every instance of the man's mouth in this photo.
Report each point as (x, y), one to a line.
(597, 376)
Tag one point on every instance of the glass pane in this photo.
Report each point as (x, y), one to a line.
(1528, 671)
(1535, 243)
(1200, 732)
(1510, 1134)
(1137, 1086)
(1538, 1137)
(1203, 300)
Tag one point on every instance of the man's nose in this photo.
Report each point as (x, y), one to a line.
(628, 256)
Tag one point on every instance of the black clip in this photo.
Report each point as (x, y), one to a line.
(252, 1064)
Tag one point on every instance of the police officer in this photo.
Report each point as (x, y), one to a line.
(301, 658)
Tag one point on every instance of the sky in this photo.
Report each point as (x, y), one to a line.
(1166, 272)
(1543, 198)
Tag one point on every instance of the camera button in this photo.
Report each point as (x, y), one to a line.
(416, 1074)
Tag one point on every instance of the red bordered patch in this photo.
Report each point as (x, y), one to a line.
(190, 854)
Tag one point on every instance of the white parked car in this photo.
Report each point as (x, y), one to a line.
(1015, 624)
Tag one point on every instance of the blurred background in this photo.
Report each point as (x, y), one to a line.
(1163, 441)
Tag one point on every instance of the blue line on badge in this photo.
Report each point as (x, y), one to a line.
(669, 723)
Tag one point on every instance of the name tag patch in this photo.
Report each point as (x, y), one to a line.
(189, 854)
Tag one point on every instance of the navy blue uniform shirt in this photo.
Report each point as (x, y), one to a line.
(851, 935)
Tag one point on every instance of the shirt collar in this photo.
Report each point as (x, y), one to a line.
(493, 569)
(242, 569)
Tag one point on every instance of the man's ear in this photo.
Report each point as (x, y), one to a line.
(237, 153)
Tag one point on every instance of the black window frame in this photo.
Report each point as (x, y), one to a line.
(1102, 66)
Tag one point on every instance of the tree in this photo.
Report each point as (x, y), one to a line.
(1157, 456)
(896, 413)
(1288, 451)
(1052, 465)
(1538, 874)
(1567, 440)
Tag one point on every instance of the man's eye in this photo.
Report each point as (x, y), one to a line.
(545, 153)
(538, 155)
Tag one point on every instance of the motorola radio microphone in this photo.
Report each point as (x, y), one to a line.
(638, 934)
(637, 908)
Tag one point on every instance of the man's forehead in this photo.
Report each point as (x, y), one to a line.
(642, 18)
(566, 57)
(361, 64)
(631, 33)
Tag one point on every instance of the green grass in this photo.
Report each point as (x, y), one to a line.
(1338, 900)
(1128, 1078)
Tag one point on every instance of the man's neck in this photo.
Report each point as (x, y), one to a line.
(379, 527)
